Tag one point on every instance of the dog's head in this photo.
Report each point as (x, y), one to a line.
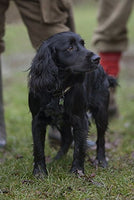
(63, 52)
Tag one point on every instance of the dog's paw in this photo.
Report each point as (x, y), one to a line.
(40, 172)
(100, 163)
(77, 171)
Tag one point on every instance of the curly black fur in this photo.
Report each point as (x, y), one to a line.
(64, 68)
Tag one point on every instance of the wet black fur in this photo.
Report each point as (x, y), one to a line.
(64, 68)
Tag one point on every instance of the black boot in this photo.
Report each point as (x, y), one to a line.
(2, 121)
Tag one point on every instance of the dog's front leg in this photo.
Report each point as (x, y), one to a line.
(80, 132)
(66, 140)
(38, 132)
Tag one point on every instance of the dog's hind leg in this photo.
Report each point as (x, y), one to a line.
(39, 131)
(66, 140)
(101, 120)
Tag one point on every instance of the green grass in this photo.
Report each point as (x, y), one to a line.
(16, 39)
(85, 18)
(17, 182)
(16, 161)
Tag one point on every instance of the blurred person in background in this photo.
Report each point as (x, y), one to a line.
(110, 39)
(43, 18)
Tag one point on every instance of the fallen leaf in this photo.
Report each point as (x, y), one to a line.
(69, 189)
(18, 156)
(38, 192)
(92, 175)
(27, 181)
(4, 191)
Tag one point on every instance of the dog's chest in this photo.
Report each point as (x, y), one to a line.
(54, 111)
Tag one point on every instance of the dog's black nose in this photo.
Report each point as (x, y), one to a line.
(95, 59)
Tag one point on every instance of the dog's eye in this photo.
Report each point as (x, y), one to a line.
(82, 42)
(71, 48)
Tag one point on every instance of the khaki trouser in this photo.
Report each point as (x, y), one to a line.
(43, 18)
(111, 33)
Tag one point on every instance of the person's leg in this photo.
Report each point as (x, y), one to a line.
(3, 7)
(111, 32)
(110, 38)
(60, 11)
(43, 21)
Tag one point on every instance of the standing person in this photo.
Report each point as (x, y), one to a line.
(43, 18)
(110, 38)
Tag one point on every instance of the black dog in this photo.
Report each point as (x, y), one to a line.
(65, 81)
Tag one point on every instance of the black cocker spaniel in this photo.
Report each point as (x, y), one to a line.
(65, 81)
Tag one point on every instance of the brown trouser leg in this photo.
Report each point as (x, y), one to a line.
(40, 23)
(111, 32)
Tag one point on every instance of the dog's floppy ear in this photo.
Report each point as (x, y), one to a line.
(43, 71)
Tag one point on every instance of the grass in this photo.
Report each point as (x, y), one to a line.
(16, 180)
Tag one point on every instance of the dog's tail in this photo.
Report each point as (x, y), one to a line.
(112, 81)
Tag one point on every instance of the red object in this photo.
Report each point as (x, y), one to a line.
(110, 62)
